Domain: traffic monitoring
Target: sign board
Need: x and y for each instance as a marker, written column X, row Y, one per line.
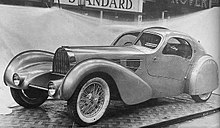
column 193, row 3
column 122, row 5
column 68, row 2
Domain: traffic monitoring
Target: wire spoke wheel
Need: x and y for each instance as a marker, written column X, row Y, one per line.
column 90, row 101
column 93, row 100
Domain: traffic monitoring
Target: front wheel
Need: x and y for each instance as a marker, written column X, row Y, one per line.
column 29, row 98
column 202, row 97
column 89, row 101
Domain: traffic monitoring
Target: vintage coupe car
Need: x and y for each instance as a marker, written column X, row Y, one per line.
column 138, row 66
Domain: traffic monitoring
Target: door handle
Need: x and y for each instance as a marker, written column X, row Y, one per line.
column 155, row 58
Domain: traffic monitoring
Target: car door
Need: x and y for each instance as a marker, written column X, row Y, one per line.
column 172, row 60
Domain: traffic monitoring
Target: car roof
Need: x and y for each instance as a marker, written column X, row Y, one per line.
column 160, row 30
column 165, row 31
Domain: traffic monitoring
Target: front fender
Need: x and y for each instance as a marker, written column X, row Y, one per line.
column 28, row 64
column 132, row 88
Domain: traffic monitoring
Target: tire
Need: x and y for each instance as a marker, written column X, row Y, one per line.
column 201, row 98
column 89, row 101
column 29, row 98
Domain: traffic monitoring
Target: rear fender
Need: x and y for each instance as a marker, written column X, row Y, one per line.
column 28, row 65
column 132, row 88
column 203, row 76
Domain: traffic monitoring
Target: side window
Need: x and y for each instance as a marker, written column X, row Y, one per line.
column 179, row 47
column 127, row 39
column 149, row 40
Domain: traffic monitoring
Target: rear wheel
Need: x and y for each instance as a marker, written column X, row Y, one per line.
column 29, row 98
column 202, row 97
column 90, row 101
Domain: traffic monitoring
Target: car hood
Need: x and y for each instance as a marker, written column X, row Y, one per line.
column 105, row 52
column 67, row 57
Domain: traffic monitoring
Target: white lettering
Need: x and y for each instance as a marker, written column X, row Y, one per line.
column 195, row 3
column 174, row 2
column 204, row 3
column 190, row 2
column 183, row 1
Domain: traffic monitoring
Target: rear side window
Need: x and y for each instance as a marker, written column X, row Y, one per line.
column 179, row 47
column 149, row 40
column 127, row 38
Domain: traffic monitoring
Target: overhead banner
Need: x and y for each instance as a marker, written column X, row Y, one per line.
column 193, row 3
column 122, row 5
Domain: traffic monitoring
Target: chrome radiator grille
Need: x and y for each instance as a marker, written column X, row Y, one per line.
column 61, row 62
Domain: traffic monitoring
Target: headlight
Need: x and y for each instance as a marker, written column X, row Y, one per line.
column 16, row 79
column 51, row 89
column 53, row 86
